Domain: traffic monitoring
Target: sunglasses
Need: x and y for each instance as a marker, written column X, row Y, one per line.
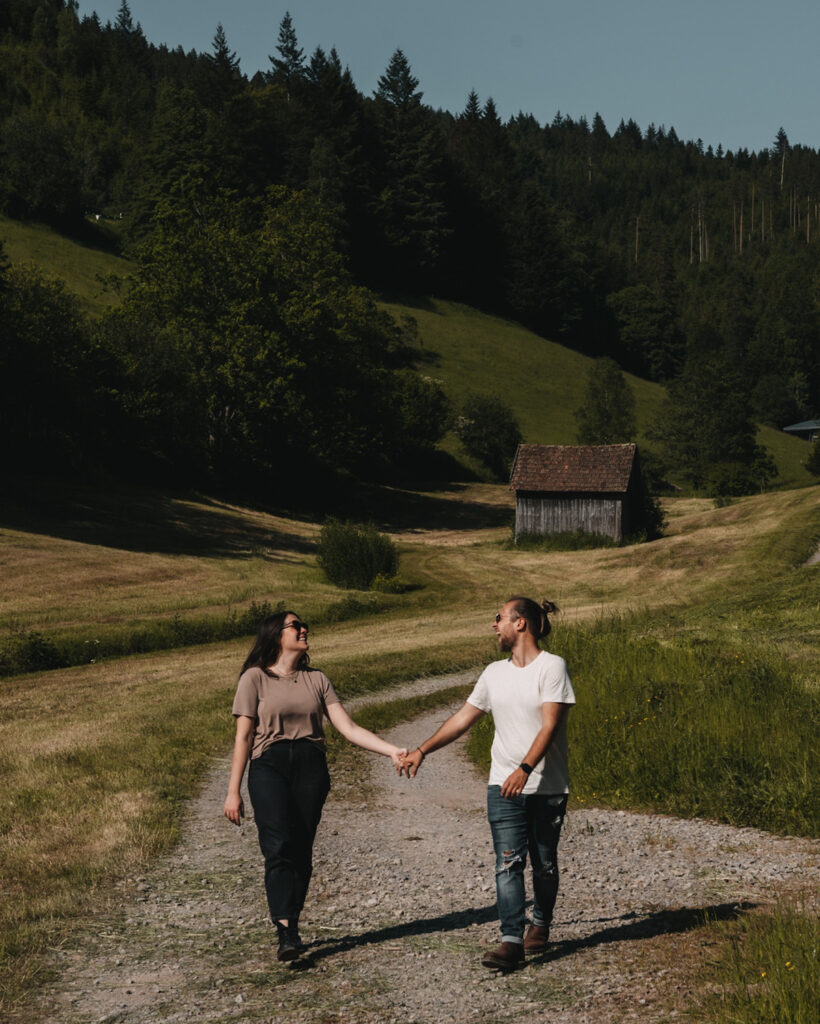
column 297, row 625
column 513, row 618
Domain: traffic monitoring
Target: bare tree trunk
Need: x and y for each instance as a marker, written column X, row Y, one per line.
column 691, row 237
column 637, row 233
column 752, row 229
column 700, row 234
column 734, row 226
column 762, row 220
column 808, row 221
column 741, row 227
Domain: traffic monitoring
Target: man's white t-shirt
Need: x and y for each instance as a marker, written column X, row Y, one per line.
column 514, row 697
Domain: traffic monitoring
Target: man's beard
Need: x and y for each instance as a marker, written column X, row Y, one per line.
column 504, row 644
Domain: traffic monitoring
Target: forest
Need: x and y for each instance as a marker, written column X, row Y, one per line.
column 267, row 213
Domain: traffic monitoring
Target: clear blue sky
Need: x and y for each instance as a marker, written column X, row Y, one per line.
column 724, row 71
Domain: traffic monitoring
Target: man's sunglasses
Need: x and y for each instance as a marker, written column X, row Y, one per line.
column 513, row 618
column 297, row 625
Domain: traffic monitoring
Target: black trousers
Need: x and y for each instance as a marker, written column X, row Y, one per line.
column 288, row 785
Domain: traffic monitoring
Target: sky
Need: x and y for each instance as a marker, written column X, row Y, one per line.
column 727, row 72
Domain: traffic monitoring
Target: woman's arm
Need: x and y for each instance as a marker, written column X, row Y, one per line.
column 234, row 808
column 342, row 721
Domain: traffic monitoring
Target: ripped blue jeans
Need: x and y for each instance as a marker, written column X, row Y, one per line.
column 521, row 825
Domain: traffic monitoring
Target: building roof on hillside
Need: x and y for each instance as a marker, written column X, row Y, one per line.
column 598, row 469
column 797, row 428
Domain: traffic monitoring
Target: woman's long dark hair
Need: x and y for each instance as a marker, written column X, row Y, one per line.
column 268, row 644
column 537, row 615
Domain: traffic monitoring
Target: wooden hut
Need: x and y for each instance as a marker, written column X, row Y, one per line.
column 576, row 488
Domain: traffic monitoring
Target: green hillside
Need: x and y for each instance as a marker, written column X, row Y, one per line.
column 467, row 350
column 543, row 382
column 83, row 267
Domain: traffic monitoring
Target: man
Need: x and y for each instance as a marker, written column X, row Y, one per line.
column 529, row 695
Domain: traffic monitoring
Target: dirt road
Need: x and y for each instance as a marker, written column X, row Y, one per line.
column 401, row 905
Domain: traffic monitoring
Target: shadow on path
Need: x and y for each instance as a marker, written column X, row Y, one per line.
column 637, row 926
column 661, row 922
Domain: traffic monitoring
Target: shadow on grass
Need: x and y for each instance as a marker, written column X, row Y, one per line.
column 627, row 928
column 140, row 519
column 144, row 519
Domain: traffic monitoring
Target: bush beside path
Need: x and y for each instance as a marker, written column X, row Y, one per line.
column 402, row 904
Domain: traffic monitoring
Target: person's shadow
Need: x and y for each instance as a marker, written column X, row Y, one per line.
column 623, row 929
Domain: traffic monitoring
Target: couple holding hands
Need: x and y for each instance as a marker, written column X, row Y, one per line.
column 280, row 706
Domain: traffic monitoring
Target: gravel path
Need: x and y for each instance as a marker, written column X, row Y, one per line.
column 401, row 905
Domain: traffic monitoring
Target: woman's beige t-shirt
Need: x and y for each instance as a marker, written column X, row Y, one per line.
column 284, row 707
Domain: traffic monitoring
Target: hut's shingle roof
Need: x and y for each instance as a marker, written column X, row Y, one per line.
column 557, row 467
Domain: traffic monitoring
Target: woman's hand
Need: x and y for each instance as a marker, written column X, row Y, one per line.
column 397, row 756
column 234, row 809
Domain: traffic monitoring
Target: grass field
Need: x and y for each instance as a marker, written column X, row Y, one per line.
column 83, row 801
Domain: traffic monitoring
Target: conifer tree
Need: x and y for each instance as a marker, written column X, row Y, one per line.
column 124, row 22
column 289, row 66
column 397, row 86
column 472, row 111
column 607, row 415
column 409, row 205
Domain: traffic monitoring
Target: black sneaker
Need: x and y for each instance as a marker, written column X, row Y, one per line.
column 290, row 945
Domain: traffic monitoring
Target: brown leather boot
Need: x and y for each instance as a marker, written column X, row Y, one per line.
column 535, row 939
column 505, row 957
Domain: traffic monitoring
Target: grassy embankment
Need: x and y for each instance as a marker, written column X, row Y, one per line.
column 96, row 792
column 467, row 350
column 542, row 381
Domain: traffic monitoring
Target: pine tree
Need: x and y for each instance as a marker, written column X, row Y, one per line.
column 124, row 22
column 472, row 112
column 289, row 66
column 409, row 206
column 397, row 86
column 607, row 415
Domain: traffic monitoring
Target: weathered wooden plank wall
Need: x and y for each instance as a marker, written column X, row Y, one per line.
column 535, row 513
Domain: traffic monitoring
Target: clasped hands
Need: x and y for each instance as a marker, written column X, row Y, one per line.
column 408, row 763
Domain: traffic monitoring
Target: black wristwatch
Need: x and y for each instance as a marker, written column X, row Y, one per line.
column 526, row 768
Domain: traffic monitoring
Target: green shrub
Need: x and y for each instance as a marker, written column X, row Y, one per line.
column 353, row 556
column 489, row 432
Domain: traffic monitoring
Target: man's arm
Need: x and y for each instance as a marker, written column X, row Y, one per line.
column 551, row 715
column 455, row 726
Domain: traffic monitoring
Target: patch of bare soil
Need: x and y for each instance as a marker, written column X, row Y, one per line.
column 401, row 906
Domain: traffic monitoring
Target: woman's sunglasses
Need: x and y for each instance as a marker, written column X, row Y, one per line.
column 297, row 625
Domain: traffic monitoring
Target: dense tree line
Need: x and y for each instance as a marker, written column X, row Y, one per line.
column 632, row 244
column 243, row 345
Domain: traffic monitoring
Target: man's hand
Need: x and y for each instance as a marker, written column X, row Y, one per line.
column 412, row 762
column 514, row 784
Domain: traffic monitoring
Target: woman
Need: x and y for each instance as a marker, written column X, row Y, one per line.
column 279, row 707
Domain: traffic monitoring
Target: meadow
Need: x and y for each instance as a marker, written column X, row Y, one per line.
column 99, row 790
